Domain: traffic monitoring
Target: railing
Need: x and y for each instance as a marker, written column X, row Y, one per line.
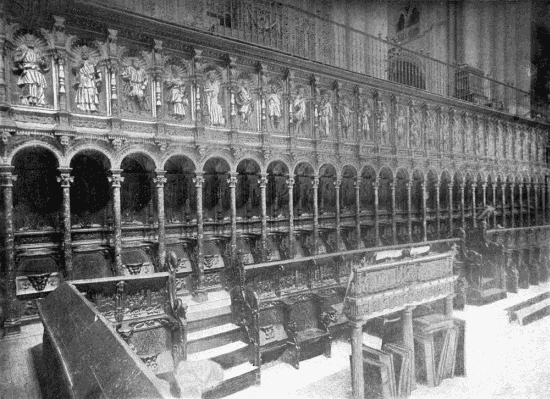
column 303, row 34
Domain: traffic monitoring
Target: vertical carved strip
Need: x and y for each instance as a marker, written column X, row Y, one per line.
column 521, row 205
column 536, row 187
column 12, row 323
column 160, row 181
column 376, row 217
column 199, row 289
column 437, row 208
column 528, row 213
column 409, row 210
column 451, row 208
column 408, row 340
column 462, row 206
column 424, row 213
column 512, row 205
column 503, row 195
column 66, row 179
column 263, row 200
column 116, row 181
column 232, row 185
column 357, row 184
column 357, row 378
column 290, row 185
column 393, row 213
column 474, row 221
column 315, row 213
column 337, row 185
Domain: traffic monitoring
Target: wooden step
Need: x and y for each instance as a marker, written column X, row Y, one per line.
column 227, row 356
column 528, row 302
column 235, row 379
column 531, row 313
column 212, row 337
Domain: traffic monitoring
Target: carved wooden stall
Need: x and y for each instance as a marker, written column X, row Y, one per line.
column 208, row 134
column 399, row 286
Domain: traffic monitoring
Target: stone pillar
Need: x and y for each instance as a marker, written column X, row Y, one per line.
column 290, row 185
column 160, row 181
column 547, row 201
column 437, row 210
column 536, row 188
column 408, row 340
column 200, row 292
column 484, row 194
column 424, row 215
column 528, row 188
column 263, row 200
column 494, row 188
column 512, row 206
column 116, row 181
column 12, row 322
column 503, row 195
column 393, row 213
column 449, row 306
column 474, row 221
column 315, row 214
column 66, row 179
column 409, row 210
column 232, row 181
column 521, row 224
column 357, row 184
column 337, row 184
column 451, row 208
column 357, row 378
column 462, row 206
column 376, row 219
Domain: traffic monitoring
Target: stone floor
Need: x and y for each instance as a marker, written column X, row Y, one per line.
column 504, row 361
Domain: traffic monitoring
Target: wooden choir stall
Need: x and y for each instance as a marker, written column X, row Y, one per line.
column 429, row 345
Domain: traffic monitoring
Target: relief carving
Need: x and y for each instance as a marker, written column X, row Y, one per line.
column 365, row 119
column 88, row 77
column 325, row 114
column 31, row 66
column 299, row 110
column 274, row 102
column 382, row 118
column 211, row 89
column 136, row 84
column 401, row 125
column 175, row 81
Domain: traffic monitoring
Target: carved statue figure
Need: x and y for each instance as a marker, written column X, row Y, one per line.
column 88, row 78
column 31, row 66
column 274, row 105
column 431, row 129
column 383, row 122
column 457, row 135
column 244, row 102
column 468, row 135
column 402, row 124
column 136, row 84
column 325, row 115
column 416, row 127
column 365, row 120
column 174, row 76
column 211, row 91
column 299, row 110
column 345, row 116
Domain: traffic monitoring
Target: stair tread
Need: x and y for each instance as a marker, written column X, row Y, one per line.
column 532, row 308
column 492, row 291
column 238, row 370
column 218, row 351
column 208, row 310
column 208, row 332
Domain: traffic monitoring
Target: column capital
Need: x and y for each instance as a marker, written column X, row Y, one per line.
column 232, row 180
column 357, row 183
column 315, row 182
column 116, row 179
column 65, row 179
column 290, row 182
column 337, row 183
column 263, row 180
column 198, row 179
column 408, row 310
column 160, row 181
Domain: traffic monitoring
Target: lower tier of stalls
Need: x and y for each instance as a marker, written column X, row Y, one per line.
column 98, row 219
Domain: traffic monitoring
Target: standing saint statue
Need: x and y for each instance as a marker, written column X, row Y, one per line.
column 244, row 102
column 31, row 65
column 325, row 115
column 178, row 99
column 211, row 91
column 88, row 78
column 345, row 117
column 365, row 121
column 136, row 84
column 383, row 122
column 274, row 105
column 299, row 110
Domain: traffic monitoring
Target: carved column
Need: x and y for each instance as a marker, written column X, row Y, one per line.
column 536, row 187
column 232, row 184
column 424, row 215
column 494, row 188
column 547, row 200
column 528, row 205
column 376, row 220
column 290, row 185
column 315, row 213
column 437, row 209
column 200, row 292
column 393, row 213
column 409, row 210
column 116, row 180
column 451, row 208
column 503, row 195
column 462, row 205
column 357, row 184
column 474, row 221
column 66, row 179
column 543, row 204
column 12, row 323
column 521, row 205
column 263, row 200
column 337, row 184
column 512, row 206
column 160, row 181
column 408, row 339
column 357, row 378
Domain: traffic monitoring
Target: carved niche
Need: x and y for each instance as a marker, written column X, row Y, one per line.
column 88, row 86
column 365, row 118
column 177, row 94
column 402, row 125
column 272, row 106
column 244, row 101
column 136, row 83
column 213, row 113
column 299, row 109
column 325, row 114
column 416, row 125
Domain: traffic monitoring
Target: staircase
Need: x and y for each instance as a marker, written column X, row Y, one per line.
column 212, row 335
column 531, row 310
column 488, row 292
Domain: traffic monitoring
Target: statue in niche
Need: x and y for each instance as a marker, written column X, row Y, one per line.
column 31, row 65
column 299, row 110
column 445, row 131
column 416, row 126
column 136, row 84
column 519, row 144
column 325, row 114
column 468, row 135
column 88, row 84
column 243, row 99
column 383, row 122
column 402, row 124
column 457, row 142
column 431, row 129
column 274, row 105
column 345, row 116
column 174, row 79
column 499, row 139
column 365, row 120
column 211, row 91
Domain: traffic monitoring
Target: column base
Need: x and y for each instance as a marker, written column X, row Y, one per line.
column 200, row 295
